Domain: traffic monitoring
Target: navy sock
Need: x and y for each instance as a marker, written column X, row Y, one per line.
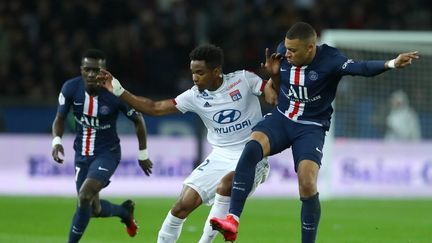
column 310, row 216
column 109, row 209
column 244, row 176
column 79, row 223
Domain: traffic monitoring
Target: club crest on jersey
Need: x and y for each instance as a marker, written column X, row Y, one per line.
column 313, row 76
column 104, row 110
column 235, row 95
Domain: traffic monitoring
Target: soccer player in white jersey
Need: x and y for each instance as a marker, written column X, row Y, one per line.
column 229, row 107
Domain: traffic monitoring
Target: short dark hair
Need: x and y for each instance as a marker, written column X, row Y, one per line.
column 94, row 53
column 211, row 54
column 301, row 30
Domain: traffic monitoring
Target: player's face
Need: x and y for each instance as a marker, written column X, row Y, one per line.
column 203, row 77
column 299, row 52
column 90, row 68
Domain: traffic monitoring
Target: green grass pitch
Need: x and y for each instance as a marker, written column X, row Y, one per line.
column 47, row 220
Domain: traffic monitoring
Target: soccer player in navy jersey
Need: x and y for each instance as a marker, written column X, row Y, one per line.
column 306, row 76
column 97, row 146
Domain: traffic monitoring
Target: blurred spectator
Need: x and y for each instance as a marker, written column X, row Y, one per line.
column 147, row 42
column 40, row 41
column 402, row 121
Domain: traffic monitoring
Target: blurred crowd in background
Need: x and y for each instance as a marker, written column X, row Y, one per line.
column 147, row 42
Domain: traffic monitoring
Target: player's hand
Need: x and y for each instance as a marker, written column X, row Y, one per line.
column 57, row 150
column 146, row 166
column 272, row 63
column 107, row 80
column 104, row 78
column 405, row 59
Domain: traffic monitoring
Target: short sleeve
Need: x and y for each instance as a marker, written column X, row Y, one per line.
column 129, row 112
column 65, row 99
column 255, row 82
column 184, row 101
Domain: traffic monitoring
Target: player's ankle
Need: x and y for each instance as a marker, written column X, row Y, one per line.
column 235, row 217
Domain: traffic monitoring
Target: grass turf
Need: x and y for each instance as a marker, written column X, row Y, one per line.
column 47, row 220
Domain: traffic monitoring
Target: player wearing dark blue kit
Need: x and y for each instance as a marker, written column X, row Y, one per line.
column 306, row 76
column 96, row 145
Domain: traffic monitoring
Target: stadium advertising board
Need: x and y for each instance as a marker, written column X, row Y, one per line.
column 358, row 168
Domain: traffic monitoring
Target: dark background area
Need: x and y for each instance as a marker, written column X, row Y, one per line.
column 147, row 42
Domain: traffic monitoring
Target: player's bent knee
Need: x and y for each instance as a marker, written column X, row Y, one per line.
column 263, row 140
column 85, row 198
column 181, row 210
column 186, row 203
column 307, row 186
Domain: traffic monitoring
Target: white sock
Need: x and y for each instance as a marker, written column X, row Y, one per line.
column 171, row 229
column 219, row 209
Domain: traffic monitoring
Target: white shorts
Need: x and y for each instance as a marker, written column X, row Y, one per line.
column 206, row 177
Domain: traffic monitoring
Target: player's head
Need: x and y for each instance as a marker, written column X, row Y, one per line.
column 91, row 62
column 206, row 66
column 300, row 42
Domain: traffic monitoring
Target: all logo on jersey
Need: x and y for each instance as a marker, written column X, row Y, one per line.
column 301, row 94
column 227, row 116
column 207, row 104
column 235, row 95
column 89, row 121
column 313, row 76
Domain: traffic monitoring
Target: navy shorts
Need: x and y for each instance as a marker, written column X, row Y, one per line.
column 306, row 140
column 99, row 167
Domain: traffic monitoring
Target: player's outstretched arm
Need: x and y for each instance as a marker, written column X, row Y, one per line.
column 402, row 60
column 139, row 103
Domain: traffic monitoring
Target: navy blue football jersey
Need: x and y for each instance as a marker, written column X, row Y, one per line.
column 307, row 92
column 95, row 116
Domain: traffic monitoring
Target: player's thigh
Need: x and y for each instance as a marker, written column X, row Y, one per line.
column 206, row 177
column 308, row 145
column 104, row 166
column 274, row 127
column 82, row 164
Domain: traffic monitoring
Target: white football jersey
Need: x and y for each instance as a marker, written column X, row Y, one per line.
column 230, row 112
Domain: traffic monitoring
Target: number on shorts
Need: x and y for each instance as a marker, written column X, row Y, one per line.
column 201, row 167
column 77, row 170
